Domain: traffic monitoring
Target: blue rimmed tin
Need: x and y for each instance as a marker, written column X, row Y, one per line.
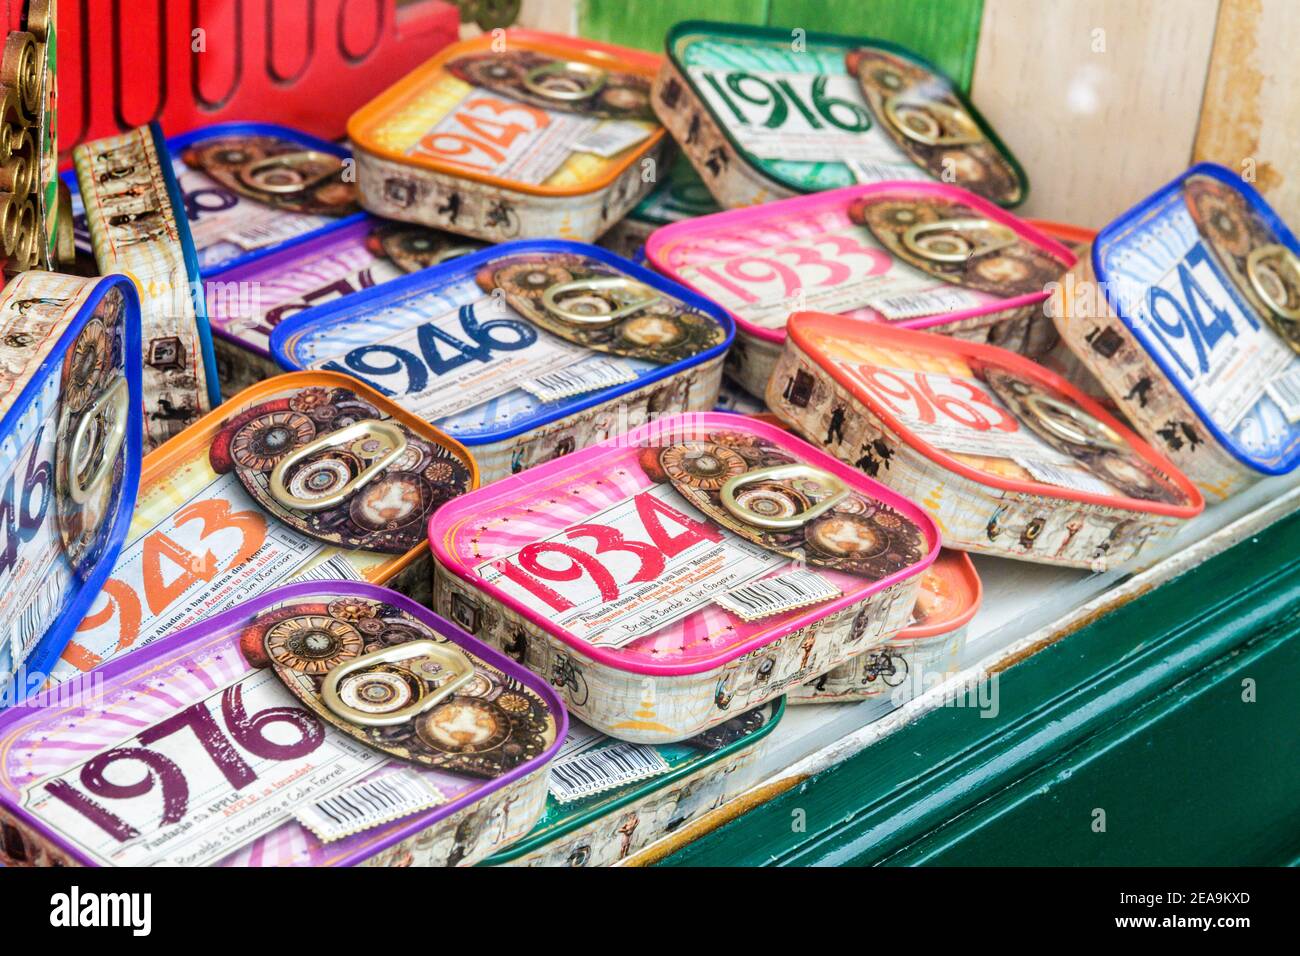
column 136, row 221
column 525, row 351
column 1187, row 311
column 250, row 189
column 70, row 434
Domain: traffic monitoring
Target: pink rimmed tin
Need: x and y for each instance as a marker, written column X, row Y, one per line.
column 922, row 653
column 250, row 767
column 686, row 572
column 912, row 254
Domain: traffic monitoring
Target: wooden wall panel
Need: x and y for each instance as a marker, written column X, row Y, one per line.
column 643, row 23
column 1096, row 129
column 1250, row 120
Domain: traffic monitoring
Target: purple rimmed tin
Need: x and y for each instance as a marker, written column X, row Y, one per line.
column 270, row 734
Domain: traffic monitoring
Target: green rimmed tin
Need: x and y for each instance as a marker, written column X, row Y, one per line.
column 613, row 825
column 765, row 113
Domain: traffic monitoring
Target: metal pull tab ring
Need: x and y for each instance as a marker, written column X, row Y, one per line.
column 943, row 242
column 1079, row 428
column 583, row 291
column 595, row 77
column 917, row 122
column 793, row 472
column 386, row 432
column 369, row 703
column 260, row 173
column 1264, row 268
column 116, row 402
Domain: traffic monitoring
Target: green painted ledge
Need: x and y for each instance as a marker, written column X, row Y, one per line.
column 1139, row 714
column 946, row 32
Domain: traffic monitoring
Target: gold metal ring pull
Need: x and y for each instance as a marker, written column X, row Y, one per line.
column 569, row 89
column 595, row 301
column 376, row 699
column 1265, row 267
column 388, row 440
column 944, row 242
column 455, row 252
column 114, row 403
column 793, row 472
column 918, row 122
column 290, row 172
column 1071, row 424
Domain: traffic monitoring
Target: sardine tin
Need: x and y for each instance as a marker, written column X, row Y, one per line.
column 608, row 827
column 681, row 196
column 1056, row 480
column 246, row 302
column 200, row 542
column 820, row 253
column 764, row 115
column 49, row 819
column 644, row 652
column 138, row 227
column 922, row 652
column 69, row 398
column 375, row 335
column 423, row 154
column 1187, row 311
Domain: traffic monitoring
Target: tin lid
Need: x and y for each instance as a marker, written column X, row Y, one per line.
column 912, row 254
column 248, row 677
column 511, row 338
column 949, row 596
column 839, row 110
column 547, row 115
column 994, row 417
column 1074, row 238
column 246, row 302
column 689, row 542
column 683, row 759
column 70, row 436
column 1207, row 277
column 251, row 188
column 682, row 195
column 307, row 475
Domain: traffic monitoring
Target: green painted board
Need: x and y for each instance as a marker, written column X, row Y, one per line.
column 1139, row 714
column 945, row 32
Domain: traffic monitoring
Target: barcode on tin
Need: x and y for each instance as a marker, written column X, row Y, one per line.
column 914, row 305
column 1072, row 478
column 586, row 377
column 369, row 803
column 865, row 171
column 611, row 137
column 1285, row 390
column 777, row 595
column 591, row 771
column 336, row 568
column 34, row 619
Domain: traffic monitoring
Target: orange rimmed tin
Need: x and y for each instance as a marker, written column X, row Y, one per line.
column 919, row 655
column 513, row 136
column 1007, row 456
column 305, row 476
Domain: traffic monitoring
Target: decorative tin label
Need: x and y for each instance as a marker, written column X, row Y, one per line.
column 246, row 190
column 135, row 231
column 589, row 763
column 1182, row 276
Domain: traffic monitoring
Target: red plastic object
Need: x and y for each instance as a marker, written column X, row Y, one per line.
column 303, row 63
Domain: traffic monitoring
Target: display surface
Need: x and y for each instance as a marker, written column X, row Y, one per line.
column 232, row 713
column 700, row 565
